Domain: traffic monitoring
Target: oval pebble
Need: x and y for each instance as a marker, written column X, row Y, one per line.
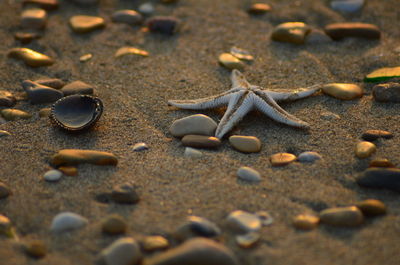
column 198, row 124
column 151, row 243
column 389, row 92
column 308, row 157
column 15, row 114
column 4, row 190
column 380, row 178
column 26, row 37
column 248, row 240
column 4, row 133
column 381, row 162
column 67, row 221
column 163, row 24
column 192, row 152
column 230, row 62
column 201, row 141
column 30, row 57
column 365, row 149
column 342, row 216
column 292, row 32
column 84, row 24
column 68, row 170
column 86, row 57
column 33, row 18
column 248, row 174
column 282, row 159
column 77, row 87
column 78, row 156
column 343, row 91
column 125, row 194
column 245, row 144
column 124, row 251
column 372, row 207
column 372, row 135
column 244, row 222
column 383, row 74
column 305, row 221
column 140, row 147
column 348, row 6
column 316, row 36
column 114, row 225
column 338, row 31
column 7, row 99
column 52, row 175
column 259, row 8
column 146, row 9
column 127, row 16
column 128, row 50
column 36, row 249
column 40, row 94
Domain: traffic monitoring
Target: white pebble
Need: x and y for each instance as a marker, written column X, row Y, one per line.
column 67, row 221
column 309, row 157
column 123, row 251
column 248, row 174
column 197, row 124
column 191, row 152
column 146, row 9
column 244, row 222
column 52, row 175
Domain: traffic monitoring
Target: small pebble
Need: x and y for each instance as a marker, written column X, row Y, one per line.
column 85, row 57
column 338, row 31
column 140, row 147
column 308, row 157
column 40, row 94
column 198, row 124
column 78, row 156
column 5, row 225
column 365, row 149
column 45, row 112
column 124, row 251
column 282, row 159
column 372, row 207
column 4, row 190
column 67, row 221
column 52, row 175
column 348, row 6
column 151, row 243
column 306, row 221
column 4, row 133
column 114, row 225
column 201, row 141
column 383, row 74
column 381, row 162
column 127, row 16
column 77, row 87
column 84, row 24
column 191, row 152
column 389, row 92
column 125, row 194
column 245, row 144
column 380, row 178
column 259, row 8
column 342, row 216
column 15, row 114
column 68, row 170
column 146, row 9
column 343, row 91
column 292, row 32
column 241, row 54
column 248, row 174
column 163, row 24
column 7, row 99
column 26, row 37
column 327, row 115
column 30, row 57
column 51, row 82
column 230, row 62
column 372, row 135
column 197, row 226
column 34, row 18
column 130, row 51
column 317, row 36
column 244, row 222
column 36, row 249
column 247, row 240
column 265, row 218
column 45, row 4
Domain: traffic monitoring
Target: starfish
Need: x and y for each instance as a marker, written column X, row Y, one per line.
column 244, row 97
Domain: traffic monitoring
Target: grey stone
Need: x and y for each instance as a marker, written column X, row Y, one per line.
column 244, row 222
column 389, row 92
column 127, row 16
column 40, row 94
column 51, row 82
column 192, row 152
column 124, row 251
column 380, row 178
column 248, row 174
column 308, row 156
column 124, row 194
column 67, row 221
column 53, row 175
column 146, row 9
column 348, row 6
column 198, row 124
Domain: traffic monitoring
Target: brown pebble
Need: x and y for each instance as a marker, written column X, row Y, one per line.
column 230, row 62
column 84, row 24
column 292, row 32
column 306, row 221
column 69, row 171
column 201, row 141
column 26, row 37
column 339, row 31
column 372, row 207
column 114, row 225
column 4, row 190
column 34, row 18
column 343, row 91
column 342, row 216
column 259, row 9
column 44, row 113
column 389, row 92
column 371, row 135
column 78, row 156
column 51, row 82
column 151, row 243
column 380, row 162
column 365, row 149
column 15, row 114
column 282, row 159
column 36, row 249
column 245, row 144
column 30, row 57
column 5, row 225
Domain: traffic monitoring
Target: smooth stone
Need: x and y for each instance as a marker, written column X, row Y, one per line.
column 230, row 62
column 127, row 16
column 53, row 175
column 67, row 221
column 201, row 141
column 26, row 37
column 244, row 222
column 389, row 92
column 241, row 54
column 85, row 57
column 342, row 216
column 114, row 225
column 5, row 225
column 198, row 124
column 51, row 82
column 140, row 147
column 125, row 194
column 151, row 243
column 163, row 24
column 197, row 226
column 248, row 240
column 84, row 24
column 282, row 159
column 381, row 162
column 4, row 133
column 372, row 207
column 146, row 9
column 348, row 6
column 15, row 114
column 245, row 144
column 383, row 74
column 308, row 157
column 34, row 18
column 4, row 190
column 380, row 178
column 259, row 8
column 69, row 171
column 128, row 50
column 30, row 57
column 365, row 149
column 36, row 249
column 292, row 32
column 45, row 112
column 77, row 87
column 372, row 135
column 265, row 218
column 197, row 251
column 124, row 251
column 45, row 4
column 7, row 99
column 316, row 36
column 305, row 221
column 248, row 174
column 79, row 156
column 192, row 152
column 343, row 91
column 338, row 31
column 40, row 94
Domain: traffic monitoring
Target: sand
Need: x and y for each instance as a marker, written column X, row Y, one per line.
column 135, row 91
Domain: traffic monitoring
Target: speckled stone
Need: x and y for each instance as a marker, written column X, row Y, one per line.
column 36, row 249
column 342, row 216
column 282, row 159
column 45, row 4
column 372, row 207
column 40, row 94
column 305, row 221
column 347, row 6
column 244, row 222
column 309, row 157
column 125, row 194
column 292, row 32
column 365, row 149
column 383, row 74
column 230, row 62
column 127, row 16
column 4, row 190
column 248, row 174
column 197, row 226
column 381, row 162
column 114, row 225
column 67, row 221
column 152, row 243
column 259, row 8
column 389, row 92
column 380, row 178
column 33, row 18
column 338, row 31
column 343, row 91
column 192, row 152
column 248, row 240
column 7, row 99
column 84, row 24
column 53, row 175
column 77, row 87
column 163, row 24
column 201, row 141
column 124, row 251
column 51, row 82
column 372, row 135
column 198, row 124
column 79, row 156
column 245, row 144
column 68, row 170
column 15, row 114
column 30, row 57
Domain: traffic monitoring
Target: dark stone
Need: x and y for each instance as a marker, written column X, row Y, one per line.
column 4, row 191
column 125, row 194
column 26, row 37
column 380, row 178
column 372, row 135
column 164, row 25
column 338, row 31
column 201, row 141
column 51, row 82
column 197, row 226
column 389, row 92
column 45, row 4
column 39, row 94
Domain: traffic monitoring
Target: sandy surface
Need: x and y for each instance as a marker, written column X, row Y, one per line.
column 135, row 92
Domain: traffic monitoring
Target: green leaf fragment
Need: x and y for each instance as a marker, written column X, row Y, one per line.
column 383, row 74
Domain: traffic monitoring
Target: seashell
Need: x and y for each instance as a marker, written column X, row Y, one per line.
column 76, row 112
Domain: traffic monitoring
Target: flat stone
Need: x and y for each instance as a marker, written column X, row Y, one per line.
column 230, row 62
column 140, row 147
column 125, row 194
column 201, row 141
column 198, row 124
column 372, row 135
column 4, row 190
column 114, row 225
column 151, row 243
column 380, row 178
column 372, row 207
column 68, row 170
column 245, row 144
column 77, row 87
column 127, row 16
column 244, row 222
column 197, row 226
column 124, row 251
column 26, row 37
column 383, row 74
column 380, row 162
column 282, row 159
column 5, row 225
column 192, row 152
column 248, row 240
column 86, row 57
column 309, row 157
column 163, row 24
column 40, row 94
column 79, row 156
column 343, row 91
column 36, row 249
column 146, row 9
column 30, row 57
column 306, row 221
column 316, row 36
column 259, row 8
column 45, row 112
column 15, row 114
column 67, row 221
column 128, row 50
column 248, row 174
column 338, row 31
column 84, row 24
column 342, row 216
column 51, row 82
column 389, row 92
column 347, row 6
column 53, row 175
column 4, row 133
column 45, row 4
column 195, row 252
column 7, row 99
column 365, row 149
column 292, row 32
column 34, row 18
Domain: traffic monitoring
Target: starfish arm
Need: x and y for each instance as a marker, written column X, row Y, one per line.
column 269, row 107
column 291, row 96
column 202, row 103
column 238, row 80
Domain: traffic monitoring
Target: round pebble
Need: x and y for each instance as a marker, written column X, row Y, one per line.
column 30, row 57
column 383, row 74
column 308, row 157
column 198, row 124
column 230, row 62
column 146, row 9
column 127, row 16
column 34, row 18
column 365, row 149
column 192, row 152
column 78, row 156
column 15, row 114
column 125, row 194
column 343, row 91
column 40, row 94
column 77, row 87
column 114, row 225
column 84, row 24
column 201, row 141
column 140, row 147
column 151, row 243
column 245, row 144
column 342, row 216
column 306, row 222
column 372, row 207
column 381, row 162
column 130, row 51
column 52, row 175
column 7, row 99
column 247, row 240
column 338, row 31
column 68, row 170
column 389, row 92
column 244, row 222
column 292, row 32
column 67, row 221
column 124, row 251
column 372, row 135
column 347, row 6
column 36, row 249
column 282, row 159
column 4, row 190
column 380, row 178
column 248, row 174
column 4, row 133
column 259, row 8
column 163, row 24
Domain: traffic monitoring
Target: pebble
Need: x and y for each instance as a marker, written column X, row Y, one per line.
column 53, row 175
column 34, row 18
column 342, row 216
column 124, row 251
column 45, row 112
column 317, row 36
column 195, row 251
column 198, row 124
column 114, row 225
column 26, row 37
column 230, row 62
column 77, row 87
column 265, row 218
column 51, row 82
column 140, row 147
column 15, row 114
column 244, row 222
column 36, row 249
column 67, row 221
column 308, row 157
column 338, row 31
column 127, row 16
column 163, row 24
column 30, row 57
column 68, row 170
column 5, row 225
column 292, row 32
column 389, row 92
column 247, row 240
column 327, row 115
column 380, row 178
column 45, row 4
column 146, row 9
column 4, row 133
column 86, row 2
column 7, row 99
column 197, row 226
column 365, row 149
column 348, row 6
column 85, row 57
column 305, row 221
column 201, row 141
column 79, row 156
column 381, row 162
column 125, row 194
column 259, row 9
column 282, row 159
column 4, row 191
column 241, row 54
column 383, row 74
column 40, row 94
column 84, row 24
column 245, row 144
column 372, row 135
column 151, row 243
column 372, row 207
column 191, row 152
column 248, row 174
column 128, row 50
column 343, row 91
